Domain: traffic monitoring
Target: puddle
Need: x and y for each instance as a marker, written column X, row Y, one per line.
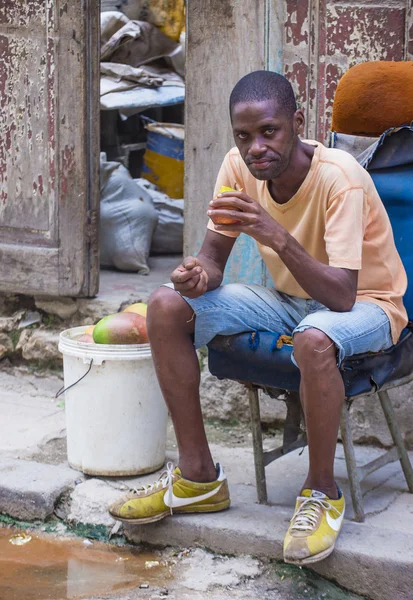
column 44, row 567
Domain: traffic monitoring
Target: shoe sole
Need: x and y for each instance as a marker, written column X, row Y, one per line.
column 204, row 508
column 310, row 559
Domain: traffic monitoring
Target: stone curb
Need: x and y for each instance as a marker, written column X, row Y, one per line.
column 30, row 490
column 367, row 561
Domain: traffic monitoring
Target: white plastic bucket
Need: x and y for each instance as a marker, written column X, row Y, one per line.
column 116, row 417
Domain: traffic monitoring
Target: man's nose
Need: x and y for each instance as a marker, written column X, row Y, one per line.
column 257, row 147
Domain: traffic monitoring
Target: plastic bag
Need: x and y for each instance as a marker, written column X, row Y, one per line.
column 127, row 220
column 168, row 237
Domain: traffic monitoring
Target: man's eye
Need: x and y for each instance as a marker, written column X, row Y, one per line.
column 242, row 136
column 269, row 131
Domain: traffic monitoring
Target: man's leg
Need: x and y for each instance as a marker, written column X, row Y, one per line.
column 322, row 397
column 321, row 341
column 171, row 325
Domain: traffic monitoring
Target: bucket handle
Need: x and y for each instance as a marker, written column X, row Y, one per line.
column 63, row 389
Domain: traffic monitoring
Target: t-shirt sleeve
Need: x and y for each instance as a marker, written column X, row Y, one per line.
column 229, row 176
column 346, row 220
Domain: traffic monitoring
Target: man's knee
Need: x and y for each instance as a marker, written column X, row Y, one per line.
column 166, row 306
column 313, row 347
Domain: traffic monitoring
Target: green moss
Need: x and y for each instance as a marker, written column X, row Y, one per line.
column 53, row 525
column 11, row 522
column 15, row 336
column 202, row 356
column 93, row 532
column 50, row 321
column 307, row 584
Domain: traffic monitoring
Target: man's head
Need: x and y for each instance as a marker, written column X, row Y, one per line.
column 265, row 122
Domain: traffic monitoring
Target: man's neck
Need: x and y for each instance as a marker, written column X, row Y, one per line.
column 289, row 182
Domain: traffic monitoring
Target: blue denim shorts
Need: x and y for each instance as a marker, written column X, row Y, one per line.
column 236, row 308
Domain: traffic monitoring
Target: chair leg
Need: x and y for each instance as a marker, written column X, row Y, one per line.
column 397, row 438
column 292, row 425
column 355, row 489
column 257, row 444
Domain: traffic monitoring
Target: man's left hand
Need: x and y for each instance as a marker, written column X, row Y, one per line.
column 251, row 218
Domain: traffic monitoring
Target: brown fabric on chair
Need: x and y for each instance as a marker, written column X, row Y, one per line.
column 372, row 97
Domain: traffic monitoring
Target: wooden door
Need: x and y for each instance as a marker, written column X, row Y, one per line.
column 49, row 152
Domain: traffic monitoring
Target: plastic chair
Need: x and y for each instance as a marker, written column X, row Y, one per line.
column 255, row 360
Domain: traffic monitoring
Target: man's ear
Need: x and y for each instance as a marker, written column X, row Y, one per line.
column 299, row 121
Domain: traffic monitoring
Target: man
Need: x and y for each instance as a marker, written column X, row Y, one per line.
column 327, row 242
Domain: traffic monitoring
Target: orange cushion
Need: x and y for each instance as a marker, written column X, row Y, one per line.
column 373, row 96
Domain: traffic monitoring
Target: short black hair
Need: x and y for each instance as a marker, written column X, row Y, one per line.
column 264, row 85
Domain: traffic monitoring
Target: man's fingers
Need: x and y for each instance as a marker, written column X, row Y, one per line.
column 219, row 215
column 242, row 196
column 187, row 285
column 184, row 275
column 234, row 203
column 236, row 194
column 190, row 262
column 198, row 290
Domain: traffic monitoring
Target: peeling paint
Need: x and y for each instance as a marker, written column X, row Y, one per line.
column 26, row 29
column 324, row 39
column 296, row 25
column 297, row 73
column 67, row 170
column 22, row 13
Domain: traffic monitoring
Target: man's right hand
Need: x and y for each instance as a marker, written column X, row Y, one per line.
column 190, row 278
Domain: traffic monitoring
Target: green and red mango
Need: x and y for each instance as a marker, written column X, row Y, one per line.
column 121, row 328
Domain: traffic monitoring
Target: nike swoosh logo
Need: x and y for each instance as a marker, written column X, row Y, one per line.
column 335, row 524
column 177, row 502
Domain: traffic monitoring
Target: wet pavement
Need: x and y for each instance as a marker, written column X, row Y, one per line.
column 38, row 568
column 41, row 567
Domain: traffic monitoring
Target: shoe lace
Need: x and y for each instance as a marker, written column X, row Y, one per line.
column 165, row 480
column 307, row 514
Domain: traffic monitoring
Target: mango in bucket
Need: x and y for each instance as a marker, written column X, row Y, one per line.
column 139, row 308
column 121, row 328
column 86, row 338
column 225, row 220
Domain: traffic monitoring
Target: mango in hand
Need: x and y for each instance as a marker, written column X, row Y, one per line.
column 121, row 328
column 225, row 220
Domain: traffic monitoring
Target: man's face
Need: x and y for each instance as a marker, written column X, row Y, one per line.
column 265, row 137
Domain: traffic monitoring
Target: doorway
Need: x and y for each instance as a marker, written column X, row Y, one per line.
column 142, row 89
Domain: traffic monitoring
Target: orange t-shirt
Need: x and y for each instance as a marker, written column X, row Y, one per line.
column 338, row 217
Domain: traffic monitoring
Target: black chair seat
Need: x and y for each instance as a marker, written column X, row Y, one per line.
column 254, row 358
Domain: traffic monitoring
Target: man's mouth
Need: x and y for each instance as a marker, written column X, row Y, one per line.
column 260, row 164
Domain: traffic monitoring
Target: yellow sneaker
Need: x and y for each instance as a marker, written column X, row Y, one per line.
column 172, row 494
column 314, row 527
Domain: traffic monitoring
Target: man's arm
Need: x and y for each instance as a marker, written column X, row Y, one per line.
column 334, row 287
column 197, row 275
